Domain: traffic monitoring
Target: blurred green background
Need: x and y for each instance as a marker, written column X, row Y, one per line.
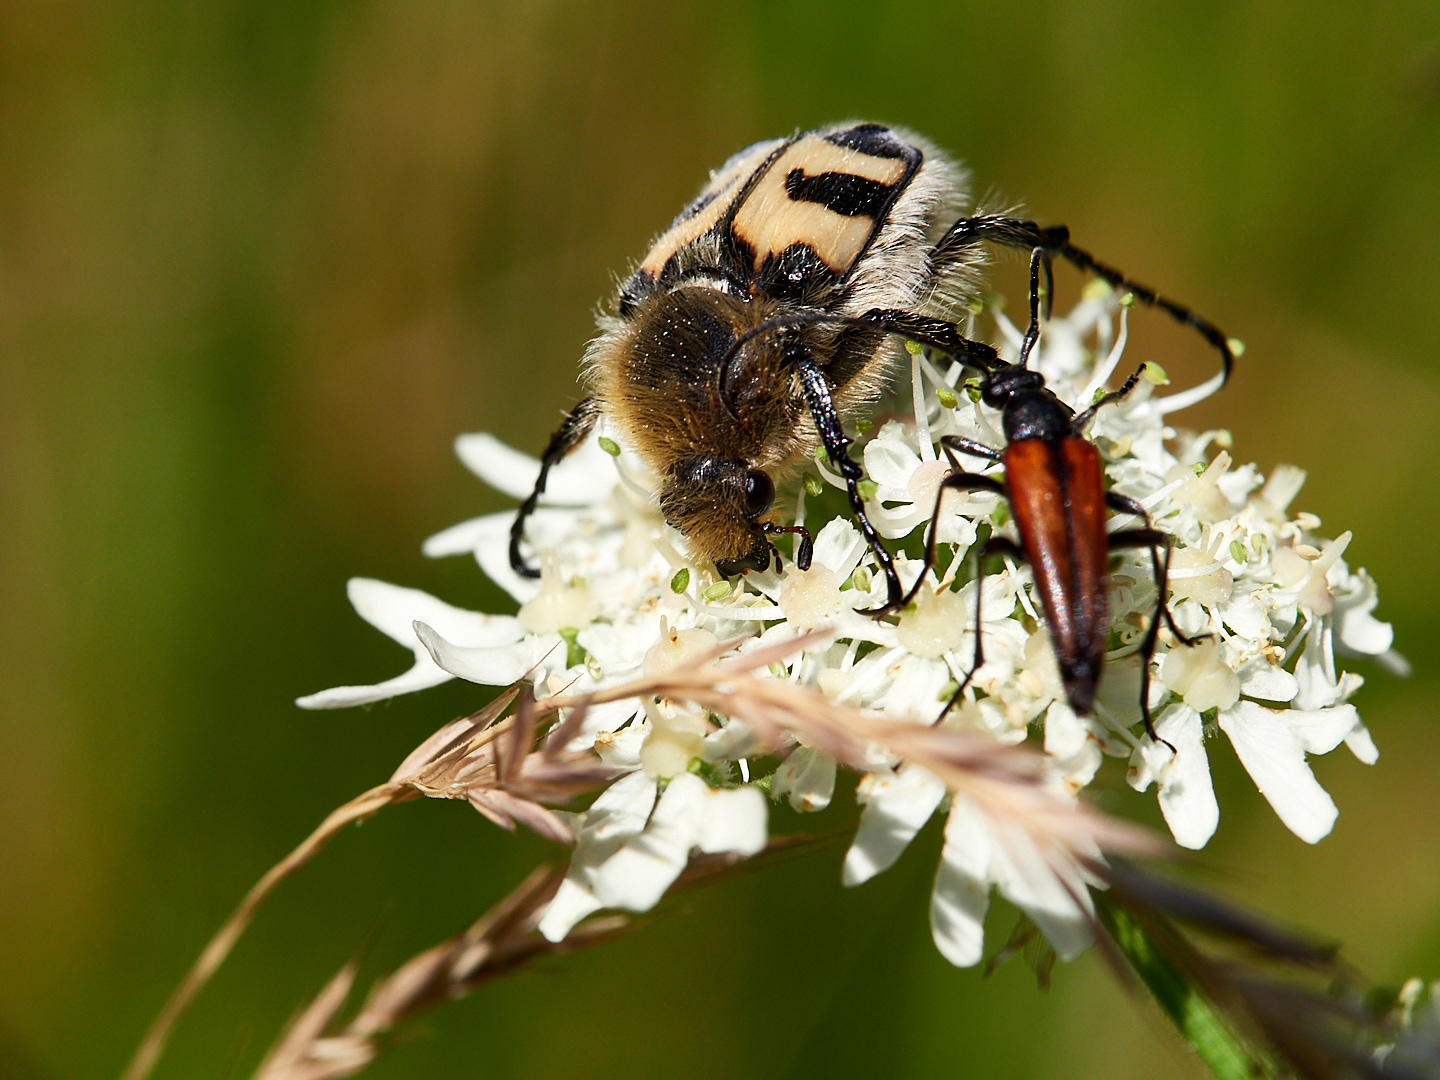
column 260, row 261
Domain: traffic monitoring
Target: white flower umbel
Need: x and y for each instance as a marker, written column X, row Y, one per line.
column 1271, row 603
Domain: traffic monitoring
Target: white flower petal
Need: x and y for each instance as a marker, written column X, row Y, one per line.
column 896, row 806
column 1075, row 744
column 890, row 461
column 954, row 529
column 1050, row 888
column 1264, row 680
column 1187, row 796
column 488, row 540
column 1322, row 730
column 962, row 886
column 807, row 776
column 1395, row 663
column 573, row 901
column 1280, row 490
column 464, row 538
column 422, row 676
column 618, row 814
column 584, row 477
column 393, row 610
column 627, row 854
column 1361, row 745
column 501, row 466
column 1362, row 633
column 1356, row 627
column 1316, row 685
column 1275, row 759
column 499, row 666
column 1245, row 616
column 727, row 819
column 838, row 547
column 637, row 875
column 1237, row 484
column 620, row 647
column 607, row 716
column 621, row 749
column 689, row 815
column 915, row 690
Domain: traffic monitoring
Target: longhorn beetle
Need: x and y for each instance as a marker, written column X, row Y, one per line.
column 1054, row 484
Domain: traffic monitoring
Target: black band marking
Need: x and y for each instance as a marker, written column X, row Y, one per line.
column 841, row 193
column 875, row 140
column 794, row 274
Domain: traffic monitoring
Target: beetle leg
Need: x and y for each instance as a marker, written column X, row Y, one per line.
column 837, row 446
column 1155, row 541
column 996, row 545
column 954, row 249
column 1126, row 505
column 1032, row 332
column 937, row 334
column 572, row 431
column 956, row 481
column 968, row 446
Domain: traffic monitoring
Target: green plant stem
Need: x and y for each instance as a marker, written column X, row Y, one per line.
column 1195, row 1015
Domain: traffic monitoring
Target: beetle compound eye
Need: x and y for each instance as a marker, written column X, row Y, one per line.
column 759, row 492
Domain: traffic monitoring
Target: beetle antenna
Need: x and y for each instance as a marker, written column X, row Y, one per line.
column 804, row 552
column 1054, row 242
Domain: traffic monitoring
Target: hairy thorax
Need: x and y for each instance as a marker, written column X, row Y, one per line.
column 677, row 387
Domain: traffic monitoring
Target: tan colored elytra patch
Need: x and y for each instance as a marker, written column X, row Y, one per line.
column 686, row 230
column 770, row 221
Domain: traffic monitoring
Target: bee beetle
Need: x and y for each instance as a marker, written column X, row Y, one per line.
column 768, row 315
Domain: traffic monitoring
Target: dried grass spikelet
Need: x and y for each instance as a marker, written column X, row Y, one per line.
column 514, row 768
column 1009, row 783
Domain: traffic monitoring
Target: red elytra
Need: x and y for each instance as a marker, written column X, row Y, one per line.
column 1058, row 500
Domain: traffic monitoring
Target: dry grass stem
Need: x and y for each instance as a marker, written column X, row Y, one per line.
column 224, row 940
column 501, row 941
column 401, row 788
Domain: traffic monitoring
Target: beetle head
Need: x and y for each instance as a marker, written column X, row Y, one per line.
column 717, row 504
